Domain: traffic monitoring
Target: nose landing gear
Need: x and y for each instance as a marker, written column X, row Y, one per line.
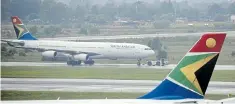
column 138, row 62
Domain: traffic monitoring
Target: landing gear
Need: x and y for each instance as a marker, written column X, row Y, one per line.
column 74, row 63
column 149, row 63
column 71, row 61
column 89, row 62
column 139, row 62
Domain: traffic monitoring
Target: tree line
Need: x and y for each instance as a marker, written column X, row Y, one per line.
column 80, row 11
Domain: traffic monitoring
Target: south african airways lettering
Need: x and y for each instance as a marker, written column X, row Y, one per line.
column 122, row 46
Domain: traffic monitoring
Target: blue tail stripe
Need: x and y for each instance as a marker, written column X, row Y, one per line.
column 27, row 36
column 17, row 31
column 169, row 90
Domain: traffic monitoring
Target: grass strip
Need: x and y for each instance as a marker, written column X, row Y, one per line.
column 99, row 73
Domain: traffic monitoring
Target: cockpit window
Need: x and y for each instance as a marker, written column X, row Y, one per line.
column 147, row 49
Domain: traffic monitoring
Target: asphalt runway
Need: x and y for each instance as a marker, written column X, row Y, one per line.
column 170, row 66
column 98, row 85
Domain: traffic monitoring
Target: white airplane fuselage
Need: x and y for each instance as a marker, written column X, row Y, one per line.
column 95, row 50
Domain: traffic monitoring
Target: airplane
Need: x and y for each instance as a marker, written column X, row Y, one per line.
column 185, row 84
column 77, row 51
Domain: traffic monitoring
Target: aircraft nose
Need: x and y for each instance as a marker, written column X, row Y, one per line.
column 151, row 52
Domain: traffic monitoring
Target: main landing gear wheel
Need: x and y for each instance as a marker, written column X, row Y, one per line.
column 149, row 63
column 89, row 62
column 74, row 63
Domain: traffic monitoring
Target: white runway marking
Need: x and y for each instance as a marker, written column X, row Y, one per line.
column 171, row 66
column 99, row 85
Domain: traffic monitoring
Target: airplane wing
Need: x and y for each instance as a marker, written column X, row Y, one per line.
column 70, row 52
column 64, row 51
column 20, row 44
column 13, row 43
column 228, row 100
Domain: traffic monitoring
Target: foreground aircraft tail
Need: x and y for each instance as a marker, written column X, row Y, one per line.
column 190, row 78
column 22, row 33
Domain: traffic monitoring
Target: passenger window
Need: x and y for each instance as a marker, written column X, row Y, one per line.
column 147, row 49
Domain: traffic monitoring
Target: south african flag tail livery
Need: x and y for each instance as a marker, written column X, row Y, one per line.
column 22, row 33
column 190, row 78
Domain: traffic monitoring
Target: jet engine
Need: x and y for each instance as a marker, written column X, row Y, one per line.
column 50, row 54
column 82, row 57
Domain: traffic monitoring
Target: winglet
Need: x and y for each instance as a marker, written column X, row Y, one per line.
column 190, row 78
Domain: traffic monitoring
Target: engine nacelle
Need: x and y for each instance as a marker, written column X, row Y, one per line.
column 82, row 57
column 50, row 54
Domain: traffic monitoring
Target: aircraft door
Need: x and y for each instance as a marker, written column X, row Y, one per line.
column 137, row 52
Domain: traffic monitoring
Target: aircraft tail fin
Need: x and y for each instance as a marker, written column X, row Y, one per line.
column 190, row 78
column 22, row 33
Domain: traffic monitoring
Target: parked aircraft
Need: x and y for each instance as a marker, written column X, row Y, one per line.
column 77, row 51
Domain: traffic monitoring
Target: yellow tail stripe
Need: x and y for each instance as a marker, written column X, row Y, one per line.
column 189, row 71
column 21, row 30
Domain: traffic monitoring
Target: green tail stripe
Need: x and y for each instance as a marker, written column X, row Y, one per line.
column 178, row 76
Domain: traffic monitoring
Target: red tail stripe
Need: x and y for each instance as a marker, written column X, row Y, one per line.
column 201, row 46
column 16, row 20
